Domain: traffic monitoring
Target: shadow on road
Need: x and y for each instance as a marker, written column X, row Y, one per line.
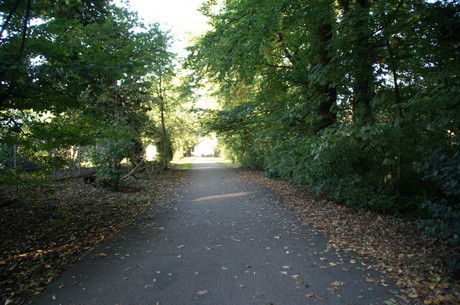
column 217, row 239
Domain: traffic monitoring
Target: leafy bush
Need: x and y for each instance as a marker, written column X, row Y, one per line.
column 443, row 168
column 107, row 158
column 444, row 222
column 336, row 166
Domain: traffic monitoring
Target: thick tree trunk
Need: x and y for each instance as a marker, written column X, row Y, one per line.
column 362, row 58
column 326, row 93
column 363, row 61
column 164, row 140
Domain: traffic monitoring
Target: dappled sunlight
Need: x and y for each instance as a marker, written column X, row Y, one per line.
column 220, row 197
column 206, row 160
column 199, row 160
column 202, row 162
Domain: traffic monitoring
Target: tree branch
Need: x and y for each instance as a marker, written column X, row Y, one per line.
column 285, row 49
column 10, row 15
column 24, row 29
column 136, row 169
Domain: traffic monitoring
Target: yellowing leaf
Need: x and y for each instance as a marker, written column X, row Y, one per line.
column 413, row 295
column 297, row 278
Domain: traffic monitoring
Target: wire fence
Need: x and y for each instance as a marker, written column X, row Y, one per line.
column 69, row 162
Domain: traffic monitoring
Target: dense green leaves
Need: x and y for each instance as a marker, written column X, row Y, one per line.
column 356, row 99
column 77, row 73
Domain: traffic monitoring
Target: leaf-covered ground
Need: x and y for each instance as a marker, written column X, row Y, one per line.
column 391, row 245
column 46, row 228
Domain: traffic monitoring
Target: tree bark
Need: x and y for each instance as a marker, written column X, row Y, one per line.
column 362, row 58
column 163, row 124
column 165, row 137
column 24, row 28
column 327, row 93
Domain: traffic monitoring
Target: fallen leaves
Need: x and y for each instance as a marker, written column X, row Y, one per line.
column 311, row 295
column 298, row 279
column 335, row 286
column 438, row 300
column 202, row 292
column 390, row 245
column 49, row 227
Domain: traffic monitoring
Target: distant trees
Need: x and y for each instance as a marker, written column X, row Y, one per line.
column 356, row 99
column 78, row 73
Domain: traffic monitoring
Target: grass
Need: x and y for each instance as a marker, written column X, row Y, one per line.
column 229, row 164
column 183, row 163
column 180, row 165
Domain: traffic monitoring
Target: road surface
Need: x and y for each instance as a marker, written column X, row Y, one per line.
column 217, row 239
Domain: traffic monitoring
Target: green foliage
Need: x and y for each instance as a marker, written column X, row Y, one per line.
column 107, row 159
column 443, row 169
column 358, row 100
column 444, row 222
column 79, row 75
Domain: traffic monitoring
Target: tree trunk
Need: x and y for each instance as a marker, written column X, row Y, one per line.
column 362, row 58
column 327, row 93
column 24, row 28
column 163, row 125
column 165, row 136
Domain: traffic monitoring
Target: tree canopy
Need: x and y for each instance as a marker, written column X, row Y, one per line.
column 358, row 100
column 355, row 99
column 80, row 73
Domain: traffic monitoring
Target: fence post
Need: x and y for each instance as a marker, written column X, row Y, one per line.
column 15, row 156
column 54, row 167
column 79, row 161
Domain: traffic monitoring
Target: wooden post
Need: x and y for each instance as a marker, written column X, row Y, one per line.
column 79, row 160
column 54, row 167
column 15, row 156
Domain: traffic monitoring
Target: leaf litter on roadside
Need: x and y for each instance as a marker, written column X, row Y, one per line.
column 390, row 245
column 50, row 227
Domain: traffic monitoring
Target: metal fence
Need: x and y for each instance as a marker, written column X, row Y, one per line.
column 74, row 161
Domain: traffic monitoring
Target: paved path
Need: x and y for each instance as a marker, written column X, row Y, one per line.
column 218, row 239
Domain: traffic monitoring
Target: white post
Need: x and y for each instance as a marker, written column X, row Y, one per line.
column 79, row 161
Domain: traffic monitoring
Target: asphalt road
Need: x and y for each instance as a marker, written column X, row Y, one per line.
column 217, row 239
